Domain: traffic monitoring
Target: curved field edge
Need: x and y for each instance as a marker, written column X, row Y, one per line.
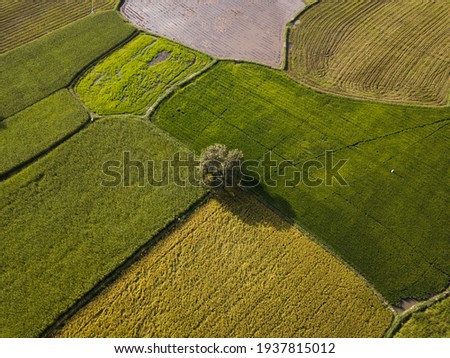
column 131, row 79
column 421, row 310
column 237, row 256
column 37, row 129
column 259, row 110
column 22, row 22
column 82, row 230
column 42, row 67
column 405, row 88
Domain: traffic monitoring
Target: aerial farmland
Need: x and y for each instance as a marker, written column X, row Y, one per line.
column 325, row 123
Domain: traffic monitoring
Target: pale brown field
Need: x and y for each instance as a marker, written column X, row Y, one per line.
column 231, row 29
column 394, row 51
column 234, row 269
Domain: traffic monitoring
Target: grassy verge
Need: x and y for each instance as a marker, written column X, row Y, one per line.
column 131, row 79
column 233, row 270
column 63, row 231
column 36, row 128
column 36, row 70
column 432, row 322
column 378, row 223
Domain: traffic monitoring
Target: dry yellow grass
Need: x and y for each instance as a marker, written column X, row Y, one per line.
column 234, row 269
column 394, row 51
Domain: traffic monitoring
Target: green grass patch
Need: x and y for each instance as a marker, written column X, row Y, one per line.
column 37, row 128
column 391, row 227
column 36, row 70
column 23, row 21
column 63, row 231
column 132, row 78
column 434, row 322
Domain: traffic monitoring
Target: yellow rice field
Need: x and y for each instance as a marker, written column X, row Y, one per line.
column 234, row 269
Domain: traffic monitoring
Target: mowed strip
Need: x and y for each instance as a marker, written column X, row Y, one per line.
column 378, row 223
column 36, row 128
column 23, row 21
column 36, row 70
column 385, row 50
column 131, row 79
column 63, row 230
column 228, row 29
column 234, row 269
column 434, row 322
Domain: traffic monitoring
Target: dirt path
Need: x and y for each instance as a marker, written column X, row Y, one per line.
column 251, row 30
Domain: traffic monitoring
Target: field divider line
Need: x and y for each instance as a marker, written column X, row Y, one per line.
column 383, row 136
column 91, row 113
column 336, row 93
column 287, row 34
column 119, row 4
column 85, row 69
column 73, row 82
column 393, row 234
column 322, row 244
column 402, row 318
column 25, row 164
column 121, row 268
column 177, row 86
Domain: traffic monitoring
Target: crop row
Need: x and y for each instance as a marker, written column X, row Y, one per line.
column 231, row 29
column 234, row 269
column 36, row 70
column 37, row 128
column 131, row 79
column 377, row 223
column 391, row 51
column 65, row 227
column 24, row 21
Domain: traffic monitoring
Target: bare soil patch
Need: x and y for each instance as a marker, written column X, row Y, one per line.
column 233, row 29
column 162, row 56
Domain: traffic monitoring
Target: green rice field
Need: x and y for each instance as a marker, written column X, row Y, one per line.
column 131, row 79
column 36, row 70
column 37, row 128
column 63, row 230
column 379, row 222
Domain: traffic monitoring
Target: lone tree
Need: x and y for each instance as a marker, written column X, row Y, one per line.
column 221, row 168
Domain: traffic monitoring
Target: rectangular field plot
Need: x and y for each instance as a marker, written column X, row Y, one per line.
column 389, row 225
column 25, row 20
column 63, row 230
column 234, row 269
column 132, row 78
column 36, row 70
column 37, row 128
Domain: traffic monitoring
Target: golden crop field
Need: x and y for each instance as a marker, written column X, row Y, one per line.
column 393, row 51
column 234, row 269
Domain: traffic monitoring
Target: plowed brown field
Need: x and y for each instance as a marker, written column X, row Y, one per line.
column 233, row 29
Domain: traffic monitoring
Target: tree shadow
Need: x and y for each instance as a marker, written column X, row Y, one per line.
column 244, row 203
column 2, row 123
